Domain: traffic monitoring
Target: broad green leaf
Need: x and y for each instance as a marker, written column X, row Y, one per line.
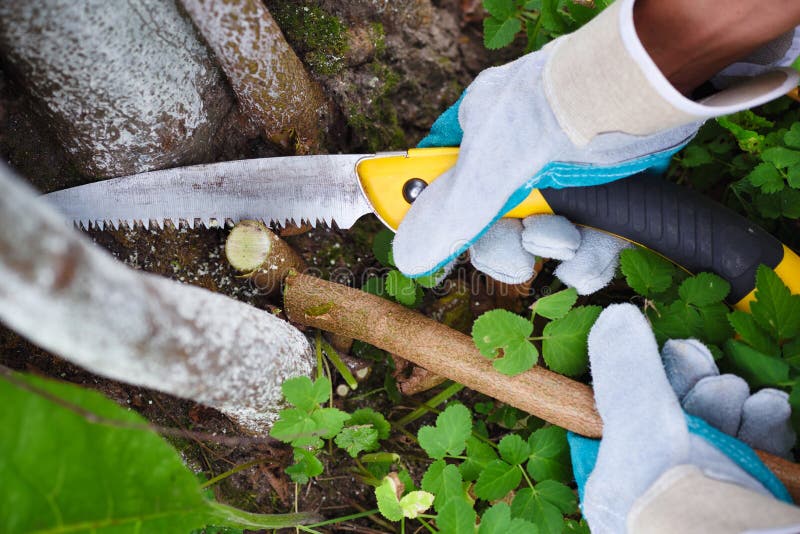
column 793, row 176
column 713, row 327
column 749, row 141
column 479, row 454
column 513, row 449
column 368, row 416
column 556, row 305
column 431, row 280
column 415, row 503
column 754, row 335
column 758, row 369
column 498, row 520
column 388, row 503
column 704, row 288
column 783, row 204
column 500, row 9
column 497, row 480
column 305, row 394
column 558, row 495
column 695, row 156
column 357, row 439
column 382, row 247
column 564, row 347
column 403, row 476
column 675, row 321
column 791, row 353
column 432, row 479
column 498, row 33
column 402, row 288
column 551, row 19
column 781, row 157
column 306, row 466
column 767, row 177
column 530, row 506
column 297, row 427
column 450, row 487
column 329, row 421
column 775, row 308
column 504, row 335
column 449, row 436
column 456, row 517
column 63, row 473
column 792, row 137
column 646, row 272
column 549, row 458
column 375, row 286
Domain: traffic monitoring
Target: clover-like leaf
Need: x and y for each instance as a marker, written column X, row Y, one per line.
column 556, row 305
column 646, row 272
column 497, row 479
column 564, row 347
column 503, row 335
column 549, row 456
column 449, row 436
column 305, row 394
column 357, row 439
column 513, row 449
column 703, row 289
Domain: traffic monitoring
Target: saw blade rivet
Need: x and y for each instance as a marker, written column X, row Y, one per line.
column 412, row 188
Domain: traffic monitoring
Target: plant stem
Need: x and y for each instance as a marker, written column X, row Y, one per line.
column 226, row 474
column 342, row 519
column 336, row 360
column 431, row 403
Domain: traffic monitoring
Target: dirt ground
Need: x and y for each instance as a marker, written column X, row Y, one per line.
column 401, row 64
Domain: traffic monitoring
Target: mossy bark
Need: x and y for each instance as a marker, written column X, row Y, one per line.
column 271, row 84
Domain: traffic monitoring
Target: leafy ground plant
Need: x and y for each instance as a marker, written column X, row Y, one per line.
column 506, row 338
column 540, row 20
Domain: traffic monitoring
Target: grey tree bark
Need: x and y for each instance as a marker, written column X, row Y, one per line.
column 75, row 300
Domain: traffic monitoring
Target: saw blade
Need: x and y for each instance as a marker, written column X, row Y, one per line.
column 295, row 189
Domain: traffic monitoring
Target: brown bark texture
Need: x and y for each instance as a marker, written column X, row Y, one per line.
column 73, row 299
column 271, row 84
column 127, row 87
column 425, row 342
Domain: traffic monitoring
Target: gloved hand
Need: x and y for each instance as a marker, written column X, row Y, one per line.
column 645, row 432
column 541, row 122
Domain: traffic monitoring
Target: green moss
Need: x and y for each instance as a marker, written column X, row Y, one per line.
column 316, row 35
column 377, row 124
column 379, row 37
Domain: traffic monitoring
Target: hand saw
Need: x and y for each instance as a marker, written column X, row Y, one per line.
column 689, row 229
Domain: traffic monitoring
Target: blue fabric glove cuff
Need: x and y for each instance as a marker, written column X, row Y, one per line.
column 584, row 456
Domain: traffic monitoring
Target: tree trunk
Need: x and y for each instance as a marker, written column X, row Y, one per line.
column 126, row 86
column 75, row 300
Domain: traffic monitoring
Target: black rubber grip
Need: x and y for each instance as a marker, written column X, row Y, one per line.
column 688, row 228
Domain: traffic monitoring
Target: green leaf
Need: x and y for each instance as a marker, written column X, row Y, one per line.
column 479, row 454
column 675, row 321
column 758, row 369
column 513, row 449
column 754, row 335
column 329, row 421
column 388, row 503
column 415, row 502
column 432, row 479
column 500, row 9
column 564, row 347
column 306, row 466
column 749, row 141
column 549, row 458
column 498, row 520
column 530, row 506
column 781, row 157
column 504, row 335
column 368, row 416
column 703, row 289
column 402, row 288
column 646, row 272
column 783, row 204
column 456, row 517
column 297, row 427
column 450, row 487
column 792, row 137
column 551, row 19
column 375, row 286
column 449, row 436
column 713, row 328
column 304, row 393
column 767, row 177
column 498, row 33
column 357, row 439
column 556, row 305
column 430, row 280
column 695, row 156
column 558, row 495
column 497, row 480
column 382, row 247
column 793, row 176
column 775, row 308
column 63, row 473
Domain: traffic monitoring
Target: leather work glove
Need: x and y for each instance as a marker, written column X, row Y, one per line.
column 540, row 122
column 650, row 447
